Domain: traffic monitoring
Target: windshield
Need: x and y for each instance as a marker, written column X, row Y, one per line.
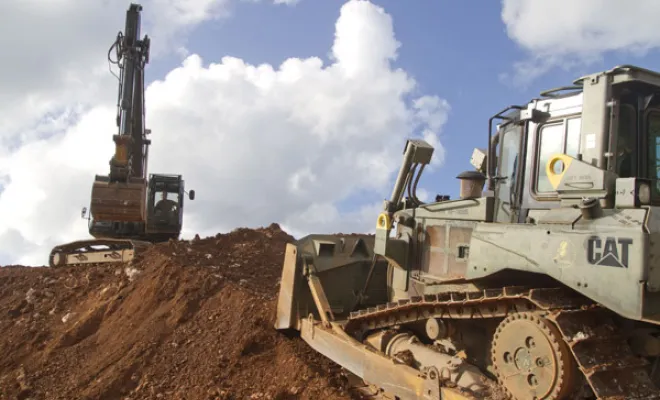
column 165, row 203
column 626, row 160
column 653, row 131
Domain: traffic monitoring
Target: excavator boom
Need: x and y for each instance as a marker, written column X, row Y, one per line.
column 120, row 197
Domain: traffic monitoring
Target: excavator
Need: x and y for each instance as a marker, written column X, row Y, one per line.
column 129, row 210
column 540, row 281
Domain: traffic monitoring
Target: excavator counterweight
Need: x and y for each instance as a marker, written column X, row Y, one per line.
column 128, row 209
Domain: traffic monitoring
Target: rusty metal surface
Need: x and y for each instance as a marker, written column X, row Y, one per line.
column 433, row 258
column 441, row 257
column 459, row 241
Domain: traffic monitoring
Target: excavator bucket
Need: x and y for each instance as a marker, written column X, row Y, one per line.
column 118, row 201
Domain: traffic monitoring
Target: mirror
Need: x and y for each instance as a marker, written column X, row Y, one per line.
column 83, row 212
column 191, row 195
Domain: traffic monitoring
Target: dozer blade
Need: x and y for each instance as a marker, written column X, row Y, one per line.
column 96, row 251
column 390, row 378
column 343, row 264
column 118, row 201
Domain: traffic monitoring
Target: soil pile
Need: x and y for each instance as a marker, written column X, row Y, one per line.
column 187, row 320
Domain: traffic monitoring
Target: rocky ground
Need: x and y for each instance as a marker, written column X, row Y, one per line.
column 188, row 320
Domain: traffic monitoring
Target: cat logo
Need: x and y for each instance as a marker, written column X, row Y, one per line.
column 610, row 252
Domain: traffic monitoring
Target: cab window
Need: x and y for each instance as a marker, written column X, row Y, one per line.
column 626, row 161
column 508, row 171
column 555, row 137
column 653, row 132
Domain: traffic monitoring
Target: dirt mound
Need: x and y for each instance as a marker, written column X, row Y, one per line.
column 188, row 320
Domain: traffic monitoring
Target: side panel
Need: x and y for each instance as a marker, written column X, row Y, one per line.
column 652, row 295
column 445, row 250
column 603, row 258
column 654, row 249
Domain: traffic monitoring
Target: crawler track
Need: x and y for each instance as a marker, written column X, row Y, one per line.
column 96, row 251
column 598, row 345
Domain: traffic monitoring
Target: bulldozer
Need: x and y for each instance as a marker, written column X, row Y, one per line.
column 540, row 281
column 129, row 210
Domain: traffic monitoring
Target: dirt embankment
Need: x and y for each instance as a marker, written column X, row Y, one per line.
column 188, row 320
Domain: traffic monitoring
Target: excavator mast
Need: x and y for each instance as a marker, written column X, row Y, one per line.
column 128, row 210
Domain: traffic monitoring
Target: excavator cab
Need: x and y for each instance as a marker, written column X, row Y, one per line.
column 166, row 195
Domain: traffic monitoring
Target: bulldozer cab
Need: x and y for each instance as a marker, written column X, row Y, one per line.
column 610, row 120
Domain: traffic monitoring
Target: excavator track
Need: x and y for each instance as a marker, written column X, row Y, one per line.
column 599, row 347
column 96, row 251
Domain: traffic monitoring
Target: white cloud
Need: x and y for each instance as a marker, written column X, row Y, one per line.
column 172, row 18
column 55, row 52
column 258, row 143
column 566, row 33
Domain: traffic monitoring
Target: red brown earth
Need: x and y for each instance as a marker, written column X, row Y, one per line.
column 187, row 320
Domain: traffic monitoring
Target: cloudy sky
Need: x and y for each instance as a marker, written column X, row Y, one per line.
column 288, row 111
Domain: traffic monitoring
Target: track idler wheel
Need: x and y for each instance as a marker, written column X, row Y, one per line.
column 57, row 259
column 531, row 360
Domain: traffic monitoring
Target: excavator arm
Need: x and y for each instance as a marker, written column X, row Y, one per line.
column 132, row 54
column 119, row 198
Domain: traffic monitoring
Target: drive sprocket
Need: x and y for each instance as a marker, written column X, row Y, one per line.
column 531, row 360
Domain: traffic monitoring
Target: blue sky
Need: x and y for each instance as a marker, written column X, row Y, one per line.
column 260, row 145
column 457, row 50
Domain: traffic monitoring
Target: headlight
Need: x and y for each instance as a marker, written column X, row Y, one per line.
column 644, row 193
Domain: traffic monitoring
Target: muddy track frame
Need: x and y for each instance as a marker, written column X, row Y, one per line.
column 83, row 253
column 613, row 372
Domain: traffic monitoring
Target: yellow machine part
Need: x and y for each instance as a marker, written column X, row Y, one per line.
column 118, row 201
column 452, row 394
column 555, row 171
column 121, row 150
